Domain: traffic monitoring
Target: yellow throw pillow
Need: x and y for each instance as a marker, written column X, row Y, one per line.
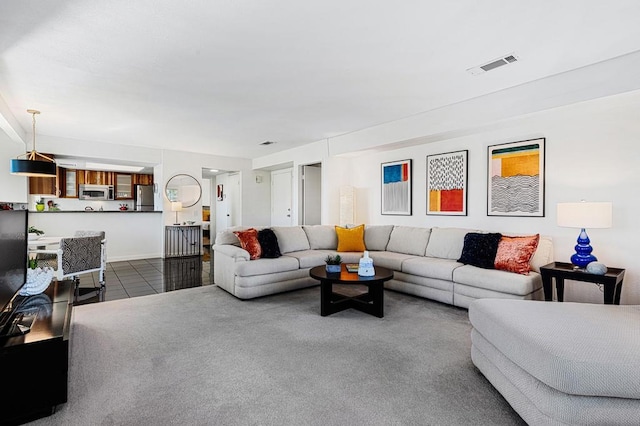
column 350, row 239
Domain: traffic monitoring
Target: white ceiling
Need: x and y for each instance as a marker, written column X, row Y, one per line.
column 222, row 76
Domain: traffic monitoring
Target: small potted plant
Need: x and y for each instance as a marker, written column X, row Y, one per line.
column 333, row 263
column 39, row 204
column 34, row 233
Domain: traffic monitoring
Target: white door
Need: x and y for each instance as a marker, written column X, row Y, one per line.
column 234, row 203
column 281, row 182
column 311, row 187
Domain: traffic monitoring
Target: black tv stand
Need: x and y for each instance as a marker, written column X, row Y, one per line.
column 18, row 325
column 34, row 364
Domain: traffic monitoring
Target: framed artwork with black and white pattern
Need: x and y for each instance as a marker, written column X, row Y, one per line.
column 447, row 183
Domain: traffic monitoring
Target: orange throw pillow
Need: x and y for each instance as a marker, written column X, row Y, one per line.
column 350, row 239
column 249, row 242
column 514, row 253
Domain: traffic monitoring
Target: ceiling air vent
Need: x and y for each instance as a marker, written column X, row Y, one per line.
column 267, row 143
column 496, row 63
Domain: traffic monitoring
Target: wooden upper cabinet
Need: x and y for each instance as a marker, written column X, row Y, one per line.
column 140, row 179
column 95, row 177
column 68, row 182
column 44, row 185
column 124, row 186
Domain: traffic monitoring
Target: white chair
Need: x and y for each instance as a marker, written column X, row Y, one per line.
column 82, row 254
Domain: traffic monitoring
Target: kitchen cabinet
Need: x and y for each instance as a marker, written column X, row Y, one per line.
column 123, row 187
column 95, row 177
column 141, row 179
column 47, row 186
column 68, row 182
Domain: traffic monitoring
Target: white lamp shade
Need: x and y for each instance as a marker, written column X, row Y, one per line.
column 176, row 206
column 585, row 215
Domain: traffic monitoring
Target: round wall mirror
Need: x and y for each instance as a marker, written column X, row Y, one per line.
column 183, row 188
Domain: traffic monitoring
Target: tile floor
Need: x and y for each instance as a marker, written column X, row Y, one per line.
column 149, row 276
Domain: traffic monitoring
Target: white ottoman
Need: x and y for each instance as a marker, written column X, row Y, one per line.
column 560, row 363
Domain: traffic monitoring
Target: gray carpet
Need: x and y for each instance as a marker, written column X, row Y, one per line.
column 200, row 356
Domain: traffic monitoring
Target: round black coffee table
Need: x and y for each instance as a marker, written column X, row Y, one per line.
column 371, row 302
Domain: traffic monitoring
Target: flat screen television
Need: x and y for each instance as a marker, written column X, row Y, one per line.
column 13, row 258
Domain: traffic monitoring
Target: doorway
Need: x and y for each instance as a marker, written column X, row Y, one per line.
column 311, row 194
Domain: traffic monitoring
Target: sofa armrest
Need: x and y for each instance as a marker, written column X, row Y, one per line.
column 235, row 252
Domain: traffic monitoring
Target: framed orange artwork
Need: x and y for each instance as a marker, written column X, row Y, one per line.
column 516, row 179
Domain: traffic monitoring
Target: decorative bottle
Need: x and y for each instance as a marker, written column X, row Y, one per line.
column 365, row 267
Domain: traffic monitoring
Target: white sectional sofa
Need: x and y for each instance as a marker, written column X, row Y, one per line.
column 424, row 261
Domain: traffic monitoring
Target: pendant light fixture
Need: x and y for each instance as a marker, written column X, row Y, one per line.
column 35, row 164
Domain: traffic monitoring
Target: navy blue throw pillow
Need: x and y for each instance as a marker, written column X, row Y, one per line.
column 480, row 249
column 268, row 243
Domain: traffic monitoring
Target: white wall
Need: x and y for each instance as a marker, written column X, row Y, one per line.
column 592, row 152
column 13, row 189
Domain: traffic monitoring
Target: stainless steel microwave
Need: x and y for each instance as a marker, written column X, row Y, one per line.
column 95, row 192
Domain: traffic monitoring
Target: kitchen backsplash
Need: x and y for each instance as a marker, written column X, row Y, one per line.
column 79, row 205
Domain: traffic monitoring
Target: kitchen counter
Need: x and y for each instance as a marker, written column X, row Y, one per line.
column 130, row 234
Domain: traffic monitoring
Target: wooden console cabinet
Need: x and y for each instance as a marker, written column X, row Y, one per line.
column 34, row 366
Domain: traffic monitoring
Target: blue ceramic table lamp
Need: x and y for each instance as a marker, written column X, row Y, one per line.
column 584, row 215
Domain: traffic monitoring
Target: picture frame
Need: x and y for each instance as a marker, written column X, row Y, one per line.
column 447, row 176
column 515, row 178
column 396, row 188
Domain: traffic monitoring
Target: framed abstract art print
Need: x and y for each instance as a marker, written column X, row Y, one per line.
column 447, row 183
column 516, row 179
column 396, row 188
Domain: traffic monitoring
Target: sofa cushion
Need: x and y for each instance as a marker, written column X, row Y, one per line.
column 431, row 267
column 543, row 254
column 389, row 259
column 376, row 237
column 514, row 253
column 291, row 238
column 321, row 237
column 409, row 240
column 266, row 266
column 480, row 249
column 581, row 349
column 447, row 243
column 249, row 242
column 309, row 258
column 350, row 239
column 269, row 243
column 501, row 281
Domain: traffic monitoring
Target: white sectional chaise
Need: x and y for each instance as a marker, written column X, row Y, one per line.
column 424, row 261
column 561, row 363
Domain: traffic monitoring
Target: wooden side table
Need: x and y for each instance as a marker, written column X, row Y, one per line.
column 612, row 280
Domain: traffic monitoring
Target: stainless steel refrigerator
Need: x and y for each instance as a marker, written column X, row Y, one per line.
column 143, row 198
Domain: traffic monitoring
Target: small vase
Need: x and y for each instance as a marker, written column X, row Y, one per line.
column 332, row 269
column 40, row 207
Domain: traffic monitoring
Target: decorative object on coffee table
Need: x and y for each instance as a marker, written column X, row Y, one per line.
column 516, row 179
column 333, row 263
column 365, row 266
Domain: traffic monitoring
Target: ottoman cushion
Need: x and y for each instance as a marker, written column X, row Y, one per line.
column 575, row 348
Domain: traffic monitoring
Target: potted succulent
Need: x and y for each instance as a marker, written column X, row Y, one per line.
column 333, row 263
column 39, row 204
